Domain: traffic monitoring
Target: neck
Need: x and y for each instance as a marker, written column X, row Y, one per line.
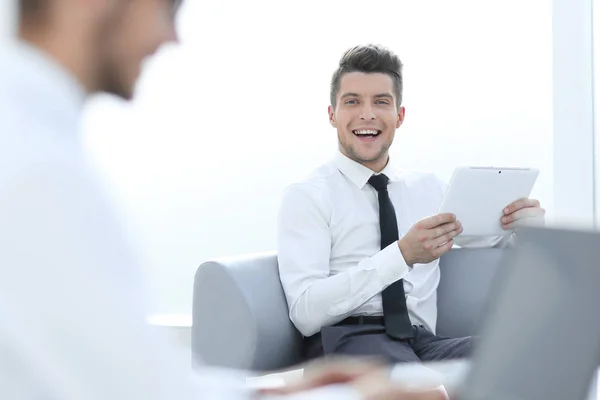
column 68, row 50
column 378, row 165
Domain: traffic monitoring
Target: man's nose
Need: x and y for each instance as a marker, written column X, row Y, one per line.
column 367, row 112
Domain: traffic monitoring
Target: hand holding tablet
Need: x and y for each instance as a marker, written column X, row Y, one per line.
column 489, row 201
column 429, row 239
column 479, row 202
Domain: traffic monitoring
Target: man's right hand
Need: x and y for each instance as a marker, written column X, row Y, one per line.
column 429, row 238
column 378, row 387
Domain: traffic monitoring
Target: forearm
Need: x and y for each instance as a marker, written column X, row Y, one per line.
column 329, row 299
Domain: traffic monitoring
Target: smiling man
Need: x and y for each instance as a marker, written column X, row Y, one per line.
column 359, row 241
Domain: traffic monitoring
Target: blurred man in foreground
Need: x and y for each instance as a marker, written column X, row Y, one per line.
column 72, row 303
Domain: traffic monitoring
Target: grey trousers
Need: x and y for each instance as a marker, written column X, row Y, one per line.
column 371, row 340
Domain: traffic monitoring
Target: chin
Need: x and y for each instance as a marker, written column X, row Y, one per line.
column 125, row 93
column 366, row 156
column 369, row 154
column 118, row 85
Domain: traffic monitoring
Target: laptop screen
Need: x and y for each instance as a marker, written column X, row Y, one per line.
column 541, row 336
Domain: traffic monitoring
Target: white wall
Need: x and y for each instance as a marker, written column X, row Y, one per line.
column 225, row 121
column 593, row 49
column 574, row 196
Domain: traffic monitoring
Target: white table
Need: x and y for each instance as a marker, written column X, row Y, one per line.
column 178, row 328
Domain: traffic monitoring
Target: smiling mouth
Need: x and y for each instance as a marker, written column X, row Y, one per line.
column 366, row 133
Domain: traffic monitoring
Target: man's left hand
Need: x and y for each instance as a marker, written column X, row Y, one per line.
column 523, row 212
column 369, row 378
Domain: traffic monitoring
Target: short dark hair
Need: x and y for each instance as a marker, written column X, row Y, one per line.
column 369, row 58
column 29, row 8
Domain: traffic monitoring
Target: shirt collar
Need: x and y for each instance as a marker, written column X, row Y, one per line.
column 358, row 173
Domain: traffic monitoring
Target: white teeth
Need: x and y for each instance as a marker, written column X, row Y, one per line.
column 366, row 132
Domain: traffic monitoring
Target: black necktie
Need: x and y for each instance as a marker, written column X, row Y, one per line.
column 395, row 313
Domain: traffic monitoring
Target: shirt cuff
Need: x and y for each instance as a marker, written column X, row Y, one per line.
column 391, row 265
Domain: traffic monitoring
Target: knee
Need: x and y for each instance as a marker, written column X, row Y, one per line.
column 465, row 348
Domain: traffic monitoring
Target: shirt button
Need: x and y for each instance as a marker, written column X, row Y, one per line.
column 396, row 274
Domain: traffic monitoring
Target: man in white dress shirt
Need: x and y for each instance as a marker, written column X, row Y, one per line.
column 358, row 241
column 72, row 304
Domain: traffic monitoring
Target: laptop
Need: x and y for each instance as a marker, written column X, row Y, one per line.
column 541, row 334
column 540, row 339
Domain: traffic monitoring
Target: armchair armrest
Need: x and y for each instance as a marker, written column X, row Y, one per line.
column 240, row 315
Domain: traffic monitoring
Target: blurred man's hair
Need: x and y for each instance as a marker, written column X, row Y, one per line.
column 31, row 8
column 35, row 8
column 369, row 58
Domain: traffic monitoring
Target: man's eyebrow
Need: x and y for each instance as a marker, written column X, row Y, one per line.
column 379, row 96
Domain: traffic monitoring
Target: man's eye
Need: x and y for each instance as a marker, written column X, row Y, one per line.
column 351, row 101
column 382, row 102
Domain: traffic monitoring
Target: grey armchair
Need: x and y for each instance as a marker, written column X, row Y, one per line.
column 240, row 315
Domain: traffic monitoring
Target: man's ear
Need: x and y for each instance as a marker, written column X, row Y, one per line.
column 331, row 116
column 401, row 114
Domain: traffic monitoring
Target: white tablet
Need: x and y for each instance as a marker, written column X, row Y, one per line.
column 478, row 196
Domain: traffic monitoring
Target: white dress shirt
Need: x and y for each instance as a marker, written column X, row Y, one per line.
column 330, row 262
column 72, row 301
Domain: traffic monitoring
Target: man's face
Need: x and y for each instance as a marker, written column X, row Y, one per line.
column 366, row 117
column 132, row 31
